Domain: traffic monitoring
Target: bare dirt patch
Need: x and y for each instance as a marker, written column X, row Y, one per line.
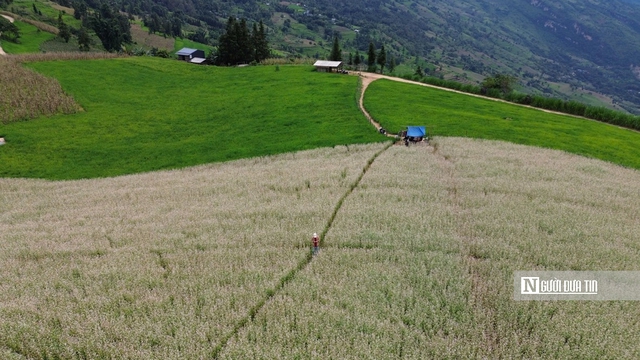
column 142, row 37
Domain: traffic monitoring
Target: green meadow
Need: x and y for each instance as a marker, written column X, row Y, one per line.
column 30, row 39
column 145, row 114
column 397, row 105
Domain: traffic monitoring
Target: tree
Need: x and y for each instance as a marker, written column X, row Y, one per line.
column 112, row 28
column 371, row 59
column 8, row 30
column 260, row 47
column 79, row 9
column 357, row 60
column 64, row 32
column 382, row 59
column 336, row 53
column 244, row 42
column 350, row 62
column 237, row 46
column 84, row 40
column 392, row 64
column 419, row 71
column 502, row 82
column 227, row 44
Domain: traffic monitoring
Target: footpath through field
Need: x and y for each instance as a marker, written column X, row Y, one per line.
column 10, row 20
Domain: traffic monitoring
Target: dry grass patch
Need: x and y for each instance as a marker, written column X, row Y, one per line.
column 158, row 265
column 142, row 37
column 55, row 56
column 292, row 61
column 28, row 94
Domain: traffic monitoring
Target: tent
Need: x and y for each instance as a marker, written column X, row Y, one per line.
column 416, row 131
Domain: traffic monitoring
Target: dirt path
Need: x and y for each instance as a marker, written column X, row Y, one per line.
column 366, row 80
column 10, row 20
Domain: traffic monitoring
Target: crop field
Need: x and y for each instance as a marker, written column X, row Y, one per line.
column 417, row 260
column 159, row 265
column 27, row 94
column 143, row 114
column 397, row 105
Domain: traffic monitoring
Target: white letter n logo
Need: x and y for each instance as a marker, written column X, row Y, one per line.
column 529, row 285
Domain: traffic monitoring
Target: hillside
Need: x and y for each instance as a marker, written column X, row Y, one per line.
column 417, row 257
column 585, row 51
column 588, row 45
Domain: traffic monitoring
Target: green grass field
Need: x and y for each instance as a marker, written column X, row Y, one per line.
column 47, row 9
column 397, row 105
column 30, row 39
column 144, row 114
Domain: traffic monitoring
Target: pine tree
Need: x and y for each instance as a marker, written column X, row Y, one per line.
column 84, row 41
column 227, row 43
column 238, row 45
column 336, row 53
column 382, row 59
column 244, row 42
column 262, row 46
column 64, row 32
column 357, row 59
column 371, row 59
column 259, row 45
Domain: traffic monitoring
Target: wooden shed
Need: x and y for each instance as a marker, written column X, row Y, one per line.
column 191, row 55
column 328, row 66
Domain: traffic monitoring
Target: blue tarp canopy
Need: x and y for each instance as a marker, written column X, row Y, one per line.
column 416, row 131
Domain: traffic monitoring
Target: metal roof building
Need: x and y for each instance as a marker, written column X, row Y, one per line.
column 191, row 55
column 328, row 66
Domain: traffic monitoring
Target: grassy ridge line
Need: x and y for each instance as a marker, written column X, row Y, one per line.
column 301, row 265
column 445, row 113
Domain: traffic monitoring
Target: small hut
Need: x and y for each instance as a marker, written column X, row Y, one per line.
column 191, row 55
column 328, row 66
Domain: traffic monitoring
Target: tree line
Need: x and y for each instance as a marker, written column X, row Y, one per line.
column 374, row 58
column 238, row 45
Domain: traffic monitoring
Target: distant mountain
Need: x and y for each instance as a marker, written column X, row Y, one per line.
column 589, row 44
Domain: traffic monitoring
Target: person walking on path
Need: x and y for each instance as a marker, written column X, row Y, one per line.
column 316, row 243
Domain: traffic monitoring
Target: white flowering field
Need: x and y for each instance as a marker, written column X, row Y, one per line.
column 213, row 261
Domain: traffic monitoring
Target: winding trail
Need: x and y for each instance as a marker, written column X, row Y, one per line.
column 10, row 20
